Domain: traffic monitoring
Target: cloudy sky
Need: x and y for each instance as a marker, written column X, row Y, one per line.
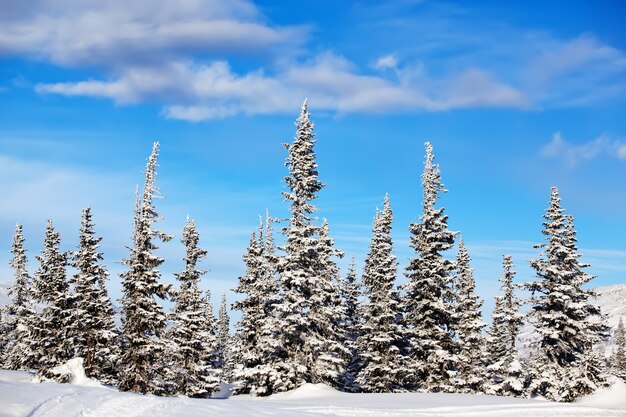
column 514, row 99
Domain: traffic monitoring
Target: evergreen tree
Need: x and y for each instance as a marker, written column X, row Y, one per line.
column 224, row 361
column 380, row 343
column 468, row 326
column 192, row 362
column 565, row 366
column 54, row 329
column 143, row 319
column 326, row 316
column 505, row 369
column 618, row 359
column 300, row 267
column 19, row 314
column 96, row 337
column 351, row 293
column 426, row 304
column 254, row 346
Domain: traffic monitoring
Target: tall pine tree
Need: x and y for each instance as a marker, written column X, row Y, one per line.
column 505, row 370
column 143, row 319
column 468, row 326
column 300, row 346
column 427, row 294
column 380, row 343
column 53, row 330
column 191, row 363
column 96, row 336
column 565, row 366
column 254, row 347
column 18, row 316
column 224, row 360
column 351, row 293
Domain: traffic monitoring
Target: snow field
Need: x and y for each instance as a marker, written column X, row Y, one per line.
column 19, row 397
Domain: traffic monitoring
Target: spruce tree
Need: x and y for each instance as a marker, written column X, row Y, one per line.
column 351, row 294
column 326, row 316
column 380, row 343
column 224, row 361
column 192, row 365
column 96, row 336
column 468, row 326
column 18, row 316
column 143, row 319
column 54, row 329
column 254, row 345
column 299, row 268
column 618, row 358
column 426, row 304
column 505, row 370
column 568, row 324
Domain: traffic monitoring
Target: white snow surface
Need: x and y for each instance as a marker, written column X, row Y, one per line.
column 21, row 398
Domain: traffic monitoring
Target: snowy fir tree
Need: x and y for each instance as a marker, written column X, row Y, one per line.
column 254, row 344
column 351, row 294
column 143, row 319
column 618, row 358
column 223, row 357
column 505, row 373
column 468, row 326
column 568, row 324
column 425, row 303
column 19, row 314
column 191, row 362
column 299, row 266
column 96, row 337
column 326, row 315
column 380, row 342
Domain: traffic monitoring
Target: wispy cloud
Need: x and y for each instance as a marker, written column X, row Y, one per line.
column 115, row 33
column 333, row 83
column 187, row 58
column 574, row 154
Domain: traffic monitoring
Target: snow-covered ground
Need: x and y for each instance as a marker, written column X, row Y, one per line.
column 21, row 398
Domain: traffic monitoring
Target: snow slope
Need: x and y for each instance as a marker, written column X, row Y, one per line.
column 21, row 398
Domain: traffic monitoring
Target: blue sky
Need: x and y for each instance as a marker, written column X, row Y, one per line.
column 515, row 98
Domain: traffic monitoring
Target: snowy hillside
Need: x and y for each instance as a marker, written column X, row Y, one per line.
column 612, row 302
column 4, row 296
column 21, row 398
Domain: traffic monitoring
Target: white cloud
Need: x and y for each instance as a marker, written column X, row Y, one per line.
column 198, row 92
column 574, row 154
column 386, row 62
column 116, row 32
column 575, row 72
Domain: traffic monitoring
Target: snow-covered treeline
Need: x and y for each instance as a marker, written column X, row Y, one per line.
column 301, row 320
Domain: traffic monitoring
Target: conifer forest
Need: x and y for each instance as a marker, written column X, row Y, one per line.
column 301, row 318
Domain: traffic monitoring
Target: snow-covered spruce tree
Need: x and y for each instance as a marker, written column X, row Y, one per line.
column 143, row 319
column 380, row 342
column 425, row 304
column 191, row 364
column 18, row 315
column 352, row 324
column 505, row 371
column 326, row 316
column 223, row 349
column 568, row 324
column 299, row 266
column 618, row 358
column 468, row 326
column 54, row 329
column 254, row 345
column 96, row 337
